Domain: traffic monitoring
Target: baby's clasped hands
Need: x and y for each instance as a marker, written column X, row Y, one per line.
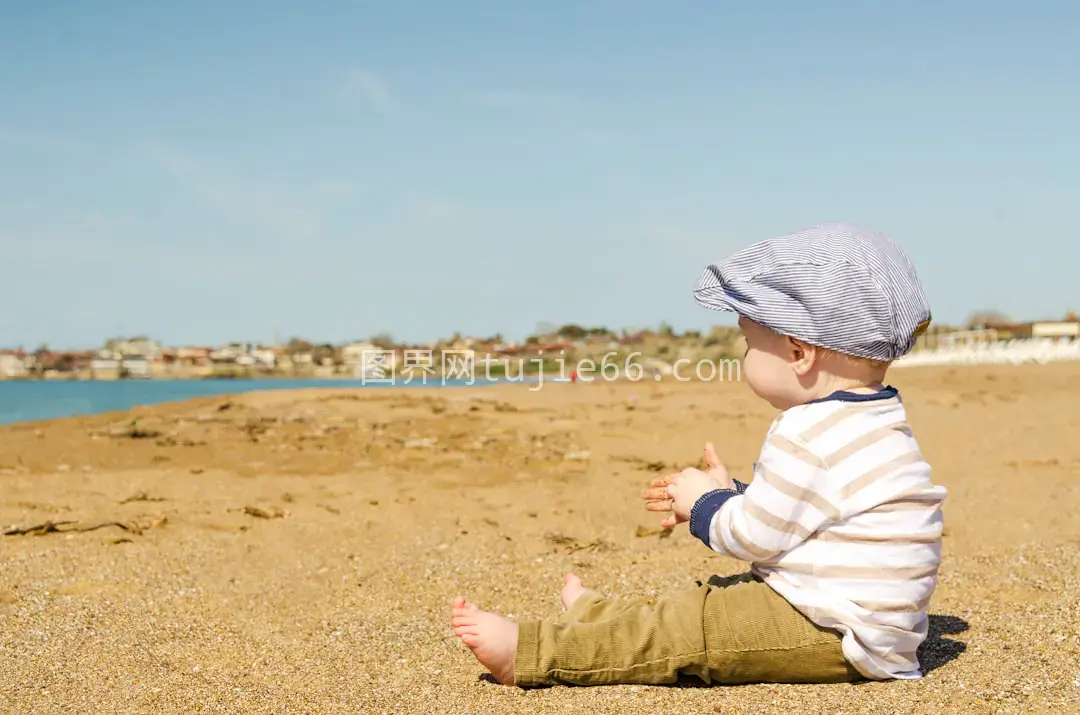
column 677, row 493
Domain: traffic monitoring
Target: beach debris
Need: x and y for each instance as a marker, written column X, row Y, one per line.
column 132, row 430
column 1052, row 462
column 38, row 506
column 572, row 545
column 662, row 531
column 255, row 428
column 47, row 527
column 331, row 509
column 63, row 468
column 172, row 441
column 268, row 513
column 57, row 527
column 140, row 496
column 580, row 456
column 649, row 465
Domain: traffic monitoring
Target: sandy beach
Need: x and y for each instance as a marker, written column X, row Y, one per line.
column 297, row 551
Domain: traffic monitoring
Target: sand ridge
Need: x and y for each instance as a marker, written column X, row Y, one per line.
column 297, row 551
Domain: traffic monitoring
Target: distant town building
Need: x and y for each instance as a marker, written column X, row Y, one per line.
column 352, row 355
column 135, row 366
column 105, row 361
column 143, row 347
column 1062, row 329
column 264, row 357
column 193, row 356
column 13, row 363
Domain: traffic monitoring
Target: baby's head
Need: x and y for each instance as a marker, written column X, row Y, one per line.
column 824, row 309
column 786, row 371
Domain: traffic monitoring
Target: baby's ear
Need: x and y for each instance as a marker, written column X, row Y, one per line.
column 803, row 355
column 797, row 348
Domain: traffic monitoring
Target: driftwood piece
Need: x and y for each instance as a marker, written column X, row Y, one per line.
column 48, row 527
column 54, row 527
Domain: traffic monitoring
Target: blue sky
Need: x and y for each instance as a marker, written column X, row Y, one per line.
column 204, row 172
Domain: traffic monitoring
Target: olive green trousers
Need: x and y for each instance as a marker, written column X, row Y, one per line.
column 728, row 631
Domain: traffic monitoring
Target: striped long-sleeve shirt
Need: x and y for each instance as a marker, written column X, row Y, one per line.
column 842, row 520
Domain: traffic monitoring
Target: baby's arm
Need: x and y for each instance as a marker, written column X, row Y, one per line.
column 786, row 502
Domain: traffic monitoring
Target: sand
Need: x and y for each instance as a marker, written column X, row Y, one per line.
column 297, row 551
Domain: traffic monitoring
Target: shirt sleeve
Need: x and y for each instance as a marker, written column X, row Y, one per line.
column 786, row 502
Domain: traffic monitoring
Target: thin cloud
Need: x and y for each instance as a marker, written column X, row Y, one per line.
column 240, row 201
column 368, row 88
column 438, row 212
column 565, row 109
column 523, row 100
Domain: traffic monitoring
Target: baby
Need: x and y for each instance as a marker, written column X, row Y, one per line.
column 841, row 522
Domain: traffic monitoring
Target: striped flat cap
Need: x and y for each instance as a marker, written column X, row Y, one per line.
column 839, row 286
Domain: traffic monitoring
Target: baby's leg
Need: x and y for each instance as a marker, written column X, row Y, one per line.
column 754, row 635
column 582, row 604
column 743, row 632
column 494, row 639
column 600, row 641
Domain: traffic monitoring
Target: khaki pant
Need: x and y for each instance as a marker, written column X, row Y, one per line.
column 729, row 631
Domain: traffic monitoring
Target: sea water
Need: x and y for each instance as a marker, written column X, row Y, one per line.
column 31, row 400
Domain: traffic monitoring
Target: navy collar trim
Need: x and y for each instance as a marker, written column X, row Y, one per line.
column 843, row 396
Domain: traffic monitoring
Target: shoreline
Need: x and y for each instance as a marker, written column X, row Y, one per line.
column 268, row 377
column 51, row 400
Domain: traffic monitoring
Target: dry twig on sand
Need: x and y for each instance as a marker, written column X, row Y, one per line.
column 54, row 527
column 271, row 513
column 140, row 496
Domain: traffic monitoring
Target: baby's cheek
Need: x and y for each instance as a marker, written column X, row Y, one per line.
column 750, row 365
column 755, row 372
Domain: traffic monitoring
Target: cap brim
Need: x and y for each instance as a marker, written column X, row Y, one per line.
column 745, row 299
column 712, row 293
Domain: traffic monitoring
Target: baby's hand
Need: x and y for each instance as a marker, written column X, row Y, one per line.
column 716, row 469
column 677, row 493
column 685, row 489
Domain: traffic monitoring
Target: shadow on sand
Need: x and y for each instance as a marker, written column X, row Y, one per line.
column 937, row 650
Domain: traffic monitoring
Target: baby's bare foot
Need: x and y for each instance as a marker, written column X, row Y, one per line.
column 572, row 590
column 492, row 638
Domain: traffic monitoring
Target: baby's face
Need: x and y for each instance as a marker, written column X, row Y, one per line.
column 767, row 365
